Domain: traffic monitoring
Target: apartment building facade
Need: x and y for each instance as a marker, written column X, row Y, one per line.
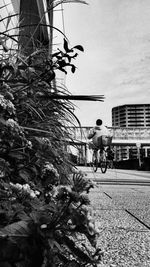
column 137, row 115
column 131, row 116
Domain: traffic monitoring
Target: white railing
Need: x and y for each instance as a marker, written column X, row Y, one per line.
column 81, row 133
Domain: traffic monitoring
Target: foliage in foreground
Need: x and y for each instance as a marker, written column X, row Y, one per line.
column 44, row 215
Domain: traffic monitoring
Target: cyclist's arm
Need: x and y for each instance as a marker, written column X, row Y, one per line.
column 91, row 134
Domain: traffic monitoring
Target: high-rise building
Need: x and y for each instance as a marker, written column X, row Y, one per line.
column 132, row 115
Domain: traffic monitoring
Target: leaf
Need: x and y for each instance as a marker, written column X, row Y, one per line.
column 23, row 74
column 5, row 48
column 84, row 199
column 62, row 63
column 66, row 45
column 77, row 251
column 63, row 70
column 76, row 97
column 17, row 155
column 79, row 47
column 34, row 170
column 56, row 54
column 17, row 229
column 53, row 243
column 25, row 175
column 56, row 3
column 52, row 76
column 79, row 183
column 31, row 72
column 73, row 68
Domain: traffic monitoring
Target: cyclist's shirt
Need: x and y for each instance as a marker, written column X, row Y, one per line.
column 96, row 132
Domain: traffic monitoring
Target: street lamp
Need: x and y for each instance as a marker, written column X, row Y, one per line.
column 138, row 145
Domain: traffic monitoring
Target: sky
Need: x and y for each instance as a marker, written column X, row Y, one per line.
column 115, row 35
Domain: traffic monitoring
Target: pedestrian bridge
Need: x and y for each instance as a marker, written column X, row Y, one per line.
column 121, row 136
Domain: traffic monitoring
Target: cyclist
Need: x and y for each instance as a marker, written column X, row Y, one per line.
column 96, row 134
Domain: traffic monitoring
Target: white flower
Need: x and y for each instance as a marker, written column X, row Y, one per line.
column 49, row 167
column 29, row 144
column 19, row 186
column 2, row 174
column 37, row 193
column 26, row 187
column 12, row 123
column 14, row 126
column 7, row 104
column 43, row 226
column 32, row 194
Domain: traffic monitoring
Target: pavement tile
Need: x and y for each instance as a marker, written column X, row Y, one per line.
column 125, row 248
column 117, row 219
column 100, row 201
column 132, row 201
column 142, row 214
column 136, row 201
column 124, row 240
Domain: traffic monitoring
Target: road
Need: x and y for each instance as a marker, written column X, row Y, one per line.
column 121, row 204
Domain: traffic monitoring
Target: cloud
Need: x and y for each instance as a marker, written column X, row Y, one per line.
column 116, row 62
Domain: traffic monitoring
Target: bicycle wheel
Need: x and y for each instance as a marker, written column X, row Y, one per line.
column 94, row 162
column 103, row 166
column 103, row 162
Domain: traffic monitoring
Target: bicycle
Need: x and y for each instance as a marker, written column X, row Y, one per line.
column 99, row 160
column 99, row 157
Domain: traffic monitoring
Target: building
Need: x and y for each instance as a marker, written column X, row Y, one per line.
column 136, row 115
column 131, row 116
column 29, row 22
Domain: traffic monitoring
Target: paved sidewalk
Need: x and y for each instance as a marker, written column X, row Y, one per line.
column 118, row 176
column 122, row 214
column 111, row 173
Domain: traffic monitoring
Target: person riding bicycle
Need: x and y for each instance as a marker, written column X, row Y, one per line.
column 98, row 134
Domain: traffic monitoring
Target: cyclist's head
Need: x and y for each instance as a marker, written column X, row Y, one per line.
column 99, row 122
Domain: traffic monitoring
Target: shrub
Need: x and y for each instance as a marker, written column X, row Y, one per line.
column 44, row 216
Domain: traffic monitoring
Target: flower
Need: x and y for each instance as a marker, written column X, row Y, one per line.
column 29, row 144
column 43, row 226
column 14, row 127
column 7, row 105
column 48, row 167
column 37, row 193
column 25, row 188
column 12, row 123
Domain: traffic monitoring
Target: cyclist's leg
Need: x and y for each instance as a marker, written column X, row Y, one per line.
column 95, row 160
column 96, row 153
column 103, row 161
column 102, row 154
